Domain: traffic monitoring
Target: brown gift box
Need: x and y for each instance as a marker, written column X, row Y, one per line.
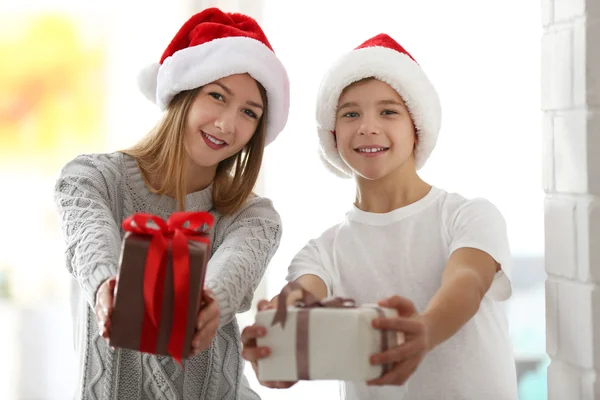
column 129, row 305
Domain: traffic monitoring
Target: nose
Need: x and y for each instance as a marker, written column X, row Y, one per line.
column 368, row 126
column 225, row 122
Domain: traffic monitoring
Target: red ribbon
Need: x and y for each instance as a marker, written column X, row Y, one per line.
column 179, row 228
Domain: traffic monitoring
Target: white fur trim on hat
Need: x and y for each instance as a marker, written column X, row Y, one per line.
column 397, row 70
column 330, row 155
column 147, row 81
column 197, row 66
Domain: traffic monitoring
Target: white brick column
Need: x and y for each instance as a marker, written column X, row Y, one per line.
column 571, row 180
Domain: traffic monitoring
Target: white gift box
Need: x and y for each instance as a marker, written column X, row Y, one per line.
column 332, row 343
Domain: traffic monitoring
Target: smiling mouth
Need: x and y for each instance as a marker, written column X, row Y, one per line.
column 213, row 139
column 370, row 150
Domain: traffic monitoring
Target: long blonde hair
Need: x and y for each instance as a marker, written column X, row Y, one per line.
column 162, row 154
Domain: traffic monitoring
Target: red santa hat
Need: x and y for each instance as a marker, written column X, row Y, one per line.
column 380, row 57
column 212, row 45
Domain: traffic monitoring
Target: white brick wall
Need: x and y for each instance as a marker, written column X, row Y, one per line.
column 569, row 382
column 571, row 179
column 567, row 9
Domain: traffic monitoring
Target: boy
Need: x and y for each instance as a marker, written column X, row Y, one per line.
column 436, row 257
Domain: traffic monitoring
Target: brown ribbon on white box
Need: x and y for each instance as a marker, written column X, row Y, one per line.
column 307, row 302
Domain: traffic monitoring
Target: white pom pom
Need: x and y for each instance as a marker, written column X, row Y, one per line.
column 147, row 81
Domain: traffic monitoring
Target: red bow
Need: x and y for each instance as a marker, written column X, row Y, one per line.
column 179, row 228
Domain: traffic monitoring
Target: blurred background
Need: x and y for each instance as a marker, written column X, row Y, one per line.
column 68, row 74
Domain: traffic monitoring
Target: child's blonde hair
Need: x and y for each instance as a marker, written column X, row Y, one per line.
column 162, row 154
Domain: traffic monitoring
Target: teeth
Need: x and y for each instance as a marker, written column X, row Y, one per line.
column 212, row 139
column 375, row 150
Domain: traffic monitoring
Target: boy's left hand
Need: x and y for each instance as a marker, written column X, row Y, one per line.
column 407, row 356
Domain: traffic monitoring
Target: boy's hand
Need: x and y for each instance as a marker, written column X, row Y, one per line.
column 407, row 356
column 251, row 352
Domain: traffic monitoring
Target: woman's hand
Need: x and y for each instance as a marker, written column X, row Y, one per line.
column 207, row 323
column 104, row 305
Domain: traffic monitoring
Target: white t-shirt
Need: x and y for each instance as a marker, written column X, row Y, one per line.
column 372, row 256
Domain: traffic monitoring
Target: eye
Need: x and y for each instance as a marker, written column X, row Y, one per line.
column 217, row 96
column 250, row 113
column 388, row 112
column 351, row 114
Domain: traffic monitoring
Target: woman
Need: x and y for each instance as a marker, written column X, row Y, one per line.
column 225, row 96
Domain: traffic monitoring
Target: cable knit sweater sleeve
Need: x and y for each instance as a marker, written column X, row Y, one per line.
column 240, row 261
column 82, row 197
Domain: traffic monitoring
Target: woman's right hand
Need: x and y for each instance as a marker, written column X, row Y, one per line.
column 251, row 352
column 104, row 305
